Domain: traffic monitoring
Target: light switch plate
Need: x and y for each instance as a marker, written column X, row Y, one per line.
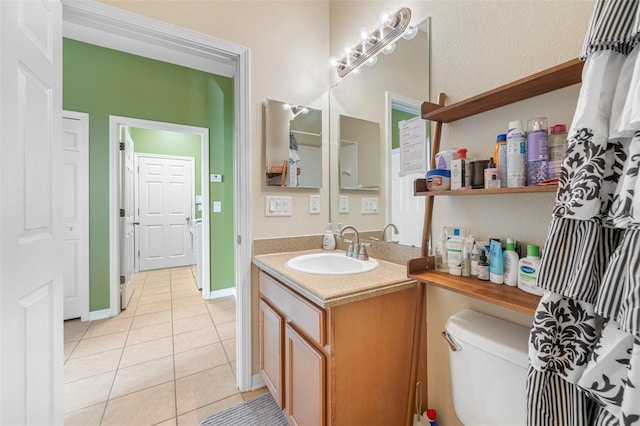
column 314, row 204
column 369, row 206
column 217, row 206
column 216, row 177
column 277, row 206
column 344, row 204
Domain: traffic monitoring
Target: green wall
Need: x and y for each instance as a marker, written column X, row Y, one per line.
column 151, row 141
column 103, row 82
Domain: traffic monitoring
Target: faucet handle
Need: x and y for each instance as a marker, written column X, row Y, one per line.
column 350, row 248
column 362, row 253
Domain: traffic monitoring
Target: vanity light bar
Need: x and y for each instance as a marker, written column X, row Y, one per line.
column 392, row 29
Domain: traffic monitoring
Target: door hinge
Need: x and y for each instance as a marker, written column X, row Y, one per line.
column 239, row 239
column 138, row 253
column 121, row 212
column 121, row 279
column 121, row 146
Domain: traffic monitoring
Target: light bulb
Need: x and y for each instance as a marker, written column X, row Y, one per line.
column 371, row 61
column 410, row 33
column 389, row 48
column 364, row 34
column 384, row 16
column 356, row 71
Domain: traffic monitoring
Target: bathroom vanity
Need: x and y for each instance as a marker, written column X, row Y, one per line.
column 336, row 349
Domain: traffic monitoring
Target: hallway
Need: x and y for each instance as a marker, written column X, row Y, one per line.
column 168, row 359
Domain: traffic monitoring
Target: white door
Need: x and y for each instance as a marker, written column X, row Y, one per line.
column 127, row 209
column 165, row 202
column 31, row 213
column 75, row 214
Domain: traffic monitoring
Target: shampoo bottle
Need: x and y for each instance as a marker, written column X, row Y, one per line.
column 496, row 265
column 528, row 268
column 510, row 264
column 516, row 155
column 475, row 258
column 329, row 240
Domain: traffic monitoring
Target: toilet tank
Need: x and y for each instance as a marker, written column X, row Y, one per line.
column 488, row 370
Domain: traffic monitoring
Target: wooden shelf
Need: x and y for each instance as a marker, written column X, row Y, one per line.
column 565, row 74
column 498, row 294
column 420, row 190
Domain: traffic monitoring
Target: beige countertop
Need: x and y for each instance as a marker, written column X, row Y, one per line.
column 333, row 290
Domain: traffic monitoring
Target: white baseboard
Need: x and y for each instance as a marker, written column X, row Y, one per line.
column 216, row 294
column 98, row 315
column 257, row 382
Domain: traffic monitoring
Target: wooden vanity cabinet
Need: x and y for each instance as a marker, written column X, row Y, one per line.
column 342, row 365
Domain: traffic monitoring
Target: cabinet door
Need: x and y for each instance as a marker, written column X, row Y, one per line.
column 305, row 381
column 271, row 341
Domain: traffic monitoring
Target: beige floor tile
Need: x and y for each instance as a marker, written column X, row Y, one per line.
column 171, row 422
column 154, row 307
column 151, row 319
column 195, row 417
column 74, row 334
column 196, row 391
column 222, row 316
column 187, row 301
column 147, row 351
column 142, row 376
column 189, row 311
column 190, row 324
column 227, row 330
column 152, row 291
column 108, row 326
column 147, row 407
column 144, row 300
column 254, row 393
column 91, row 365
column 87, row 392
column 184, row 285
column 99, row 344
column 200, row 359
column 195, row 339
column 76, row 324
column 181, row 294
column 152, row 332
column 130, row 311
column 230, row 349
column 86, row 417
column 222, row 303
column 68, row 349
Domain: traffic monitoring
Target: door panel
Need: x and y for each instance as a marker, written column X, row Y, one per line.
column 127, row 203
column 75, row 214
column 165, row 196
column 31, row 226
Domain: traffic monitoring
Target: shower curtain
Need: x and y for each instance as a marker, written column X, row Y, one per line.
column 584, row 347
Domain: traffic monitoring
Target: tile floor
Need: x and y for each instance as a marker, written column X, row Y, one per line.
column 168, row 359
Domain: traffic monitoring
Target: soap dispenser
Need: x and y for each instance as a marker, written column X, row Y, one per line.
column 329, row 240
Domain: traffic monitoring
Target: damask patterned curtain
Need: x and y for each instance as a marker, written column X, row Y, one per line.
column 584, row 347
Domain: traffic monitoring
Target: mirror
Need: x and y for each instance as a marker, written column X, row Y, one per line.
column 293, row 145
column 359, row 154
column 386, row 94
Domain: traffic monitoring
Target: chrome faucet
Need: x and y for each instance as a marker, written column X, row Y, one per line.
column 355, row 249
column 384, row 231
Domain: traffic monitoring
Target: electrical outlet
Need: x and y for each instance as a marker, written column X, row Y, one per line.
column 344, row 204
column 314, row 204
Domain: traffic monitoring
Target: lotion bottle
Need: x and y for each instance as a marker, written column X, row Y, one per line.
column 528, row 268
column 496, row 265
column 510, row 264
column 329, row 240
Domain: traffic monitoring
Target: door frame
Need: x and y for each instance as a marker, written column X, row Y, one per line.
column 107, row 26
column 115, row 122
column 83, row 214
column 192, row 160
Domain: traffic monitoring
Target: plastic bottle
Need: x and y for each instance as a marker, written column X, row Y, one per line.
column 528, row 268
column 454, row 254
column 475, row 258
column 442, row 264
column 462, row 154
column 516, row 155
column 496, row 265
column 557, row 148
column 466, row 262
column 491, row 175
column 500, row 157
column 329, row 240
column 537, row 151
column 510, row 264
column 483, row 267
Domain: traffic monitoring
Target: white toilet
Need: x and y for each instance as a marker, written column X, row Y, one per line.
column 488, row 369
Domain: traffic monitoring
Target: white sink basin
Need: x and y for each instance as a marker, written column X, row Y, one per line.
column 330, row 264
